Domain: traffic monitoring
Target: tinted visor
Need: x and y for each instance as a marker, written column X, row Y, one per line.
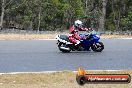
column 79, row 25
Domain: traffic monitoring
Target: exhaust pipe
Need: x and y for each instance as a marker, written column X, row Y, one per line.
column 64, row 48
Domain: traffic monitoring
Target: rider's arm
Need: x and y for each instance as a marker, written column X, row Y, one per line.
column 84, row 29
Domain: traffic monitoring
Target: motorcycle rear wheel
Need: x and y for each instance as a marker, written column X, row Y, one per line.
column 63, row 45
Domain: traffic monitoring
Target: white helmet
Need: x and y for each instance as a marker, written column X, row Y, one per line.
column 78, row 23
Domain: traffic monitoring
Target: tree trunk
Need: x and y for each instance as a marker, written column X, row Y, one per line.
column 39, row 18
column 102, row 18
column 2, row 14
column 113, row 10
column 118, row 23
column 86, row 10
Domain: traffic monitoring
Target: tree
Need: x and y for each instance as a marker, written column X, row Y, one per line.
column 57, row 14
column 2, row 14
column 102, row 18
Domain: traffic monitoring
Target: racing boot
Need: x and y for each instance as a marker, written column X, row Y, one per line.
column 88, row 49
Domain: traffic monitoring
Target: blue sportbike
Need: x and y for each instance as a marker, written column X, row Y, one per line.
column 88, row 41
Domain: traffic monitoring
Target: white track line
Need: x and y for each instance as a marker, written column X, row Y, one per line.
column 44, row 39
column 102, row 38
column 13, row 73
column 126, row 38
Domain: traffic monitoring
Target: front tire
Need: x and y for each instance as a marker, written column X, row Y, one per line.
column 97, row 47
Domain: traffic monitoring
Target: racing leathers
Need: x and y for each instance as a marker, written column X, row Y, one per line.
column 74, row 36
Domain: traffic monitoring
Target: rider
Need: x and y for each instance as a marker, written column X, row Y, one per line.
column 73, row 32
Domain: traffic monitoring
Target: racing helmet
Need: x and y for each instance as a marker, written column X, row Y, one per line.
column 78, row 24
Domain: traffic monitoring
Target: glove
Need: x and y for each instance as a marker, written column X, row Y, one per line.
column 86, row 29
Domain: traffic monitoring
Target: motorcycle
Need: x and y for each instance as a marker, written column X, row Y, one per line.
column 87, row 42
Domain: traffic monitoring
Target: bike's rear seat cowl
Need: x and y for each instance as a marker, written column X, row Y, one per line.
column 64, row 37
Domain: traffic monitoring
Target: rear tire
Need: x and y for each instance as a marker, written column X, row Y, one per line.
column 97, row 47
column 64, row 45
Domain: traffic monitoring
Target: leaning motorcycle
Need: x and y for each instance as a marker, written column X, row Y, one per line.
column 91, row 40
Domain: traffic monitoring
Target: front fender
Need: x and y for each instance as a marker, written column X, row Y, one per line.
column 96, row 40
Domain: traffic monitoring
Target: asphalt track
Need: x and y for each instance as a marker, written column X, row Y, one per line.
column 43, row 55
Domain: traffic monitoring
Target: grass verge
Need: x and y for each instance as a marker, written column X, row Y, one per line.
column 47, row 36
column 64, row 79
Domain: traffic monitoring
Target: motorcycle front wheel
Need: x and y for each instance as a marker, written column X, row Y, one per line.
column 97, row 47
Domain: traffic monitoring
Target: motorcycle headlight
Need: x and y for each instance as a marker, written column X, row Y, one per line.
column 98, row 36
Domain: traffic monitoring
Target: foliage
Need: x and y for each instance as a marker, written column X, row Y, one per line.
column 54, row 14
